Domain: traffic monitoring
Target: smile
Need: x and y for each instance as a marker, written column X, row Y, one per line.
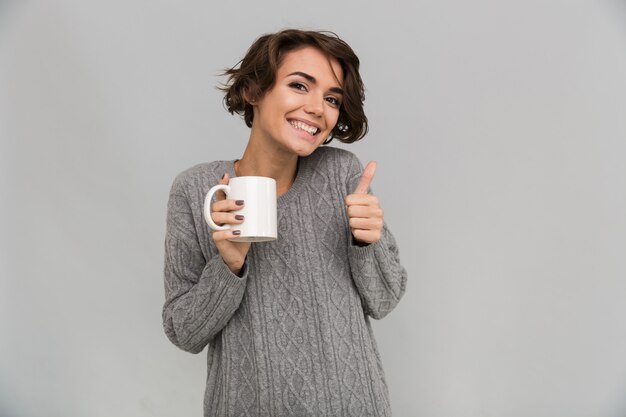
column 311, row 130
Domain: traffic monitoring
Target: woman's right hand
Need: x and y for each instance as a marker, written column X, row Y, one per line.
column 233, row 253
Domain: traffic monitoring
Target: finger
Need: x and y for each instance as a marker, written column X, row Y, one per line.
column 365, row 212
column 366, row 178
column 221, row 218
column 220, row 235
column 367, row 236
column 361, row 200
column 366, row 224
column 227, row 205
column 220, row 195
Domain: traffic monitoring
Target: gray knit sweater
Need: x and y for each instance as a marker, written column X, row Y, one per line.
column 292, row 336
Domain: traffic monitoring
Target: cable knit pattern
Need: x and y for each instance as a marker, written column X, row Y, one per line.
column 292, row 336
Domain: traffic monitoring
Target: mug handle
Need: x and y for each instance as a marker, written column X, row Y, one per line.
column 207, row 206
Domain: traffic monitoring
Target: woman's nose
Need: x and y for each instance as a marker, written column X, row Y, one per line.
column 314, row 106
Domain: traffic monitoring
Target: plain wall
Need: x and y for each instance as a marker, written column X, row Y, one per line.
column 499, row 128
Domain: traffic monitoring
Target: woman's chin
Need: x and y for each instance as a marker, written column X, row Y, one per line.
column 307, row 149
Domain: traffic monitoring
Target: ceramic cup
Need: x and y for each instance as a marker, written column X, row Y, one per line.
column 259, row 209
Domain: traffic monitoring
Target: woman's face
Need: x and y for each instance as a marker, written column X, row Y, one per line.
column 298, row 113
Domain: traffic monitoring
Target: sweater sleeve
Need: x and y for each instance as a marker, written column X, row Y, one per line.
column 201, row 294
column 376, row 270
column 378, row 275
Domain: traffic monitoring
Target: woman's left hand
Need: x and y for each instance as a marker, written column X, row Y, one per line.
column 364, row 212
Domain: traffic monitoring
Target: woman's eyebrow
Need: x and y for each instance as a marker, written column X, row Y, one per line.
column 312, row 80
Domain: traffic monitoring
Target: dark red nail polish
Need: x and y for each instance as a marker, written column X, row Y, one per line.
column 239, row 202
column 236, row 232
column 238, row 216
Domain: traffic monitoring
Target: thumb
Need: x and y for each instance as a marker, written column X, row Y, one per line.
column 366, row 178
column 224, row 180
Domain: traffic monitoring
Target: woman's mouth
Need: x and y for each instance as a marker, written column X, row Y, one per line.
column 311, row 130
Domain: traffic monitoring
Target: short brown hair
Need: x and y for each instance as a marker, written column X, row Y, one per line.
column 255, row 74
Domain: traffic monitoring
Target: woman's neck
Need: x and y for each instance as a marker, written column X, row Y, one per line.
column 266, row 162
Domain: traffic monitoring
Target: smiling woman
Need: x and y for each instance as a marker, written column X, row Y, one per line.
column 300, row 111
column 286, row 322
column 257, row 71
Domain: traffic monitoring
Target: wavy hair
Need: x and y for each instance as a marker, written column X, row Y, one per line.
column 255, row 74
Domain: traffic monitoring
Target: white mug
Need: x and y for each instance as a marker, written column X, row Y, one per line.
column 259, row 208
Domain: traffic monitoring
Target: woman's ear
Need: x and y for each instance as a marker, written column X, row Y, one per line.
column 250, row 99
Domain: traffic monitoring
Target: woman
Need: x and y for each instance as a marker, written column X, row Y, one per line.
column 287, row 322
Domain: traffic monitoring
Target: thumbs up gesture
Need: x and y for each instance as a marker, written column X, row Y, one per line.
column 364, row 213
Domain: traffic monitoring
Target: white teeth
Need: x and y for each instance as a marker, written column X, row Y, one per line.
column 303, row 126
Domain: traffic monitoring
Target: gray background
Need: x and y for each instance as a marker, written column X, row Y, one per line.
column 500, row 132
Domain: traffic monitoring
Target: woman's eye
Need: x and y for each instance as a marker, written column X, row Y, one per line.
column 298, row 86
column 333, row 101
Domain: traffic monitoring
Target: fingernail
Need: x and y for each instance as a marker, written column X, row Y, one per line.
column 239, row 216
column 239, row 202
column 236, row 232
